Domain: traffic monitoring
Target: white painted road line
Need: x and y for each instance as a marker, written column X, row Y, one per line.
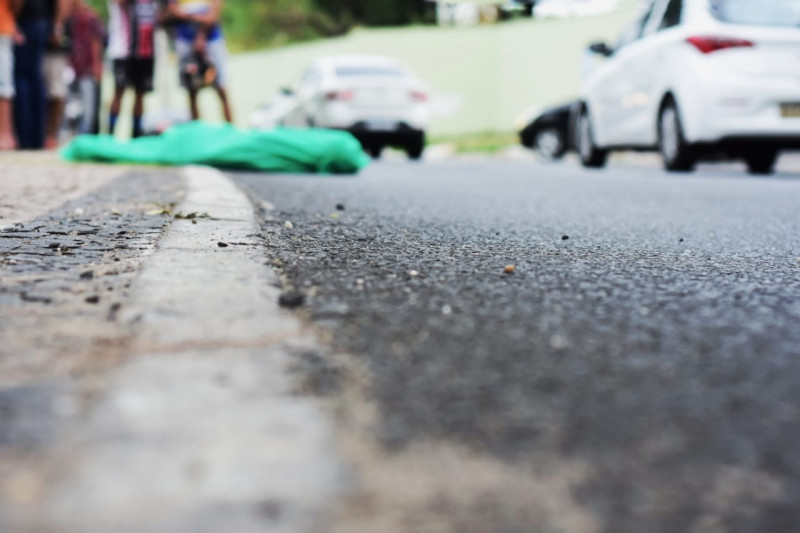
column 199, row 431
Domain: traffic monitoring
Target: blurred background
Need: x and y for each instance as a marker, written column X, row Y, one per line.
column 490, row 65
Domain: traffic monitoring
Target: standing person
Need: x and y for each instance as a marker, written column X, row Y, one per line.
column 8, row 33
column 86, row 57
column 131, row 28
column 198, row 41
column 56, row 60
column 34, row 23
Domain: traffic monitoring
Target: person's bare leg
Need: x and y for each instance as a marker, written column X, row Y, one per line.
column 138, row 112
column 7, row 141
column 113, row 110
column 193, row 105
column 55, row 114
column 226, row 106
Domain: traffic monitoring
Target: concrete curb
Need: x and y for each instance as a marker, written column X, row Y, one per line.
column 200, row 430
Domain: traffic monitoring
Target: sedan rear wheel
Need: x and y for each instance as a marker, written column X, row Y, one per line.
column 677, row 154
column 590, row 155
column 415, row 146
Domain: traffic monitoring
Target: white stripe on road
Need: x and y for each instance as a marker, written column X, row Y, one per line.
column 199, row 431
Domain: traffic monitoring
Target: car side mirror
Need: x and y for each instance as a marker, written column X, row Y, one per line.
column 601, row 48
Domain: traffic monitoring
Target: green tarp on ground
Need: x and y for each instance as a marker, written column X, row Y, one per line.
column 224, row 146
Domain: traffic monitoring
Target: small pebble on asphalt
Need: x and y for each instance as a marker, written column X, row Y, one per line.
column 194, row 221
column 413, row 273
column 291, row 299
column 288, row 225
column 340, row 207
column 222, row 244
column 510, row 269
column 565, row 237
column 89, row 274
column 92, row 299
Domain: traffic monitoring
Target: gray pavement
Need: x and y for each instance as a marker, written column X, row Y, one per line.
column 145, row 381
column 637, row 372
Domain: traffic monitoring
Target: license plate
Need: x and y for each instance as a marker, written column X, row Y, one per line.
column 381, row 125
column 790, row 110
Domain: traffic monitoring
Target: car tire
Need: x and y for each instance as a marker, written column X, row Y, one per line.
column 549, row 144
column 374, row 151
column 761, row 162
column 676, row 153
column 590, row 155
column 415, row 147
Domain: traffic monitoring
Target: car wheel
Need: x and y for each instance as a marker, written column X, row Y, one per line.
column 761, row 162
column 677, row 154
column 415, row 147
column 374, row 151
column 590, row 155
column 549, row 144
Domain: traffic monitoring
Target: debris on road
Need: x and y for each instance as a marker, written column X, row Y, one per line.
column 510, row 269
column 292, row 299
column 191, row 216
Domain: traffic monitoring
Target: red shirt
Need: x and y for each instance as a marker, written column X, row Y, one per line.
column 86, row 30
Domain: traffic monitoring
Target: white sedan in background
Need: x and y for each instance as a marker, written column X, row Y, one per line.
column 377, row 99
column 698, row 79
column 573, row 8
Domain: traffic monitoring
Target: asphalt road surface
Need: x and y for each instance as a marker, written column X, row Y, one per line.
column 650, row 330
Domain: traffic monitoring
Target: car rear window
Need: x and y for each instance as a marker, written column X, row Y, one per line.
column 347, row 72
column 758, row 13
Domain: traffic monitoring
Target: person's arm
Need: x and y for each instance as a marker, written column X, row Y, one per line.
column 60, row 17
column 211, row 18
column 16, row 6
column 16, row 9
column 98, row 40
column 173, row 12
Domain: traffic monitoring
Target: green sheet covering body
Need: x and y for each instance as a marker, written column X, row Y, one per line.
column 224, row 146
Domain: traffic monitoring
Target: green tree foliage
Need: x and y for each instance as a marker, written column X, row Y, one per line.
column 250, row 24
column 377, row 12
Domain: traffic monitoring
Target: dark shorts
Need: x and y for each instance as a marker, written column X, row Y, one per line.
column 136, row 73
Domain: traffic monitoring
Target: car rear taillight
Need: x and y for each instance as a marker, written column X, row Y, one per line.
column 708, row 44
column 419, row 96
column 344, row 96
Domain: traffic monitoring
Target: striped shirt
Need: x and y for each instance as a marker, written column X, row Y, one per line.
column 131, row 27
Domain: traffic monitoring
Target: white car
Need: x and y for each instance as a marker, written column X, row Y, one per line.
column 573, row 8
column 377, row 99
column 698, row 79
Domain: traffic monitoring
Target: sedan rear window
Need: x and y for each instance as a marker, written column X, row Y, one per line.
column 347, row 72
column 760, row 13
